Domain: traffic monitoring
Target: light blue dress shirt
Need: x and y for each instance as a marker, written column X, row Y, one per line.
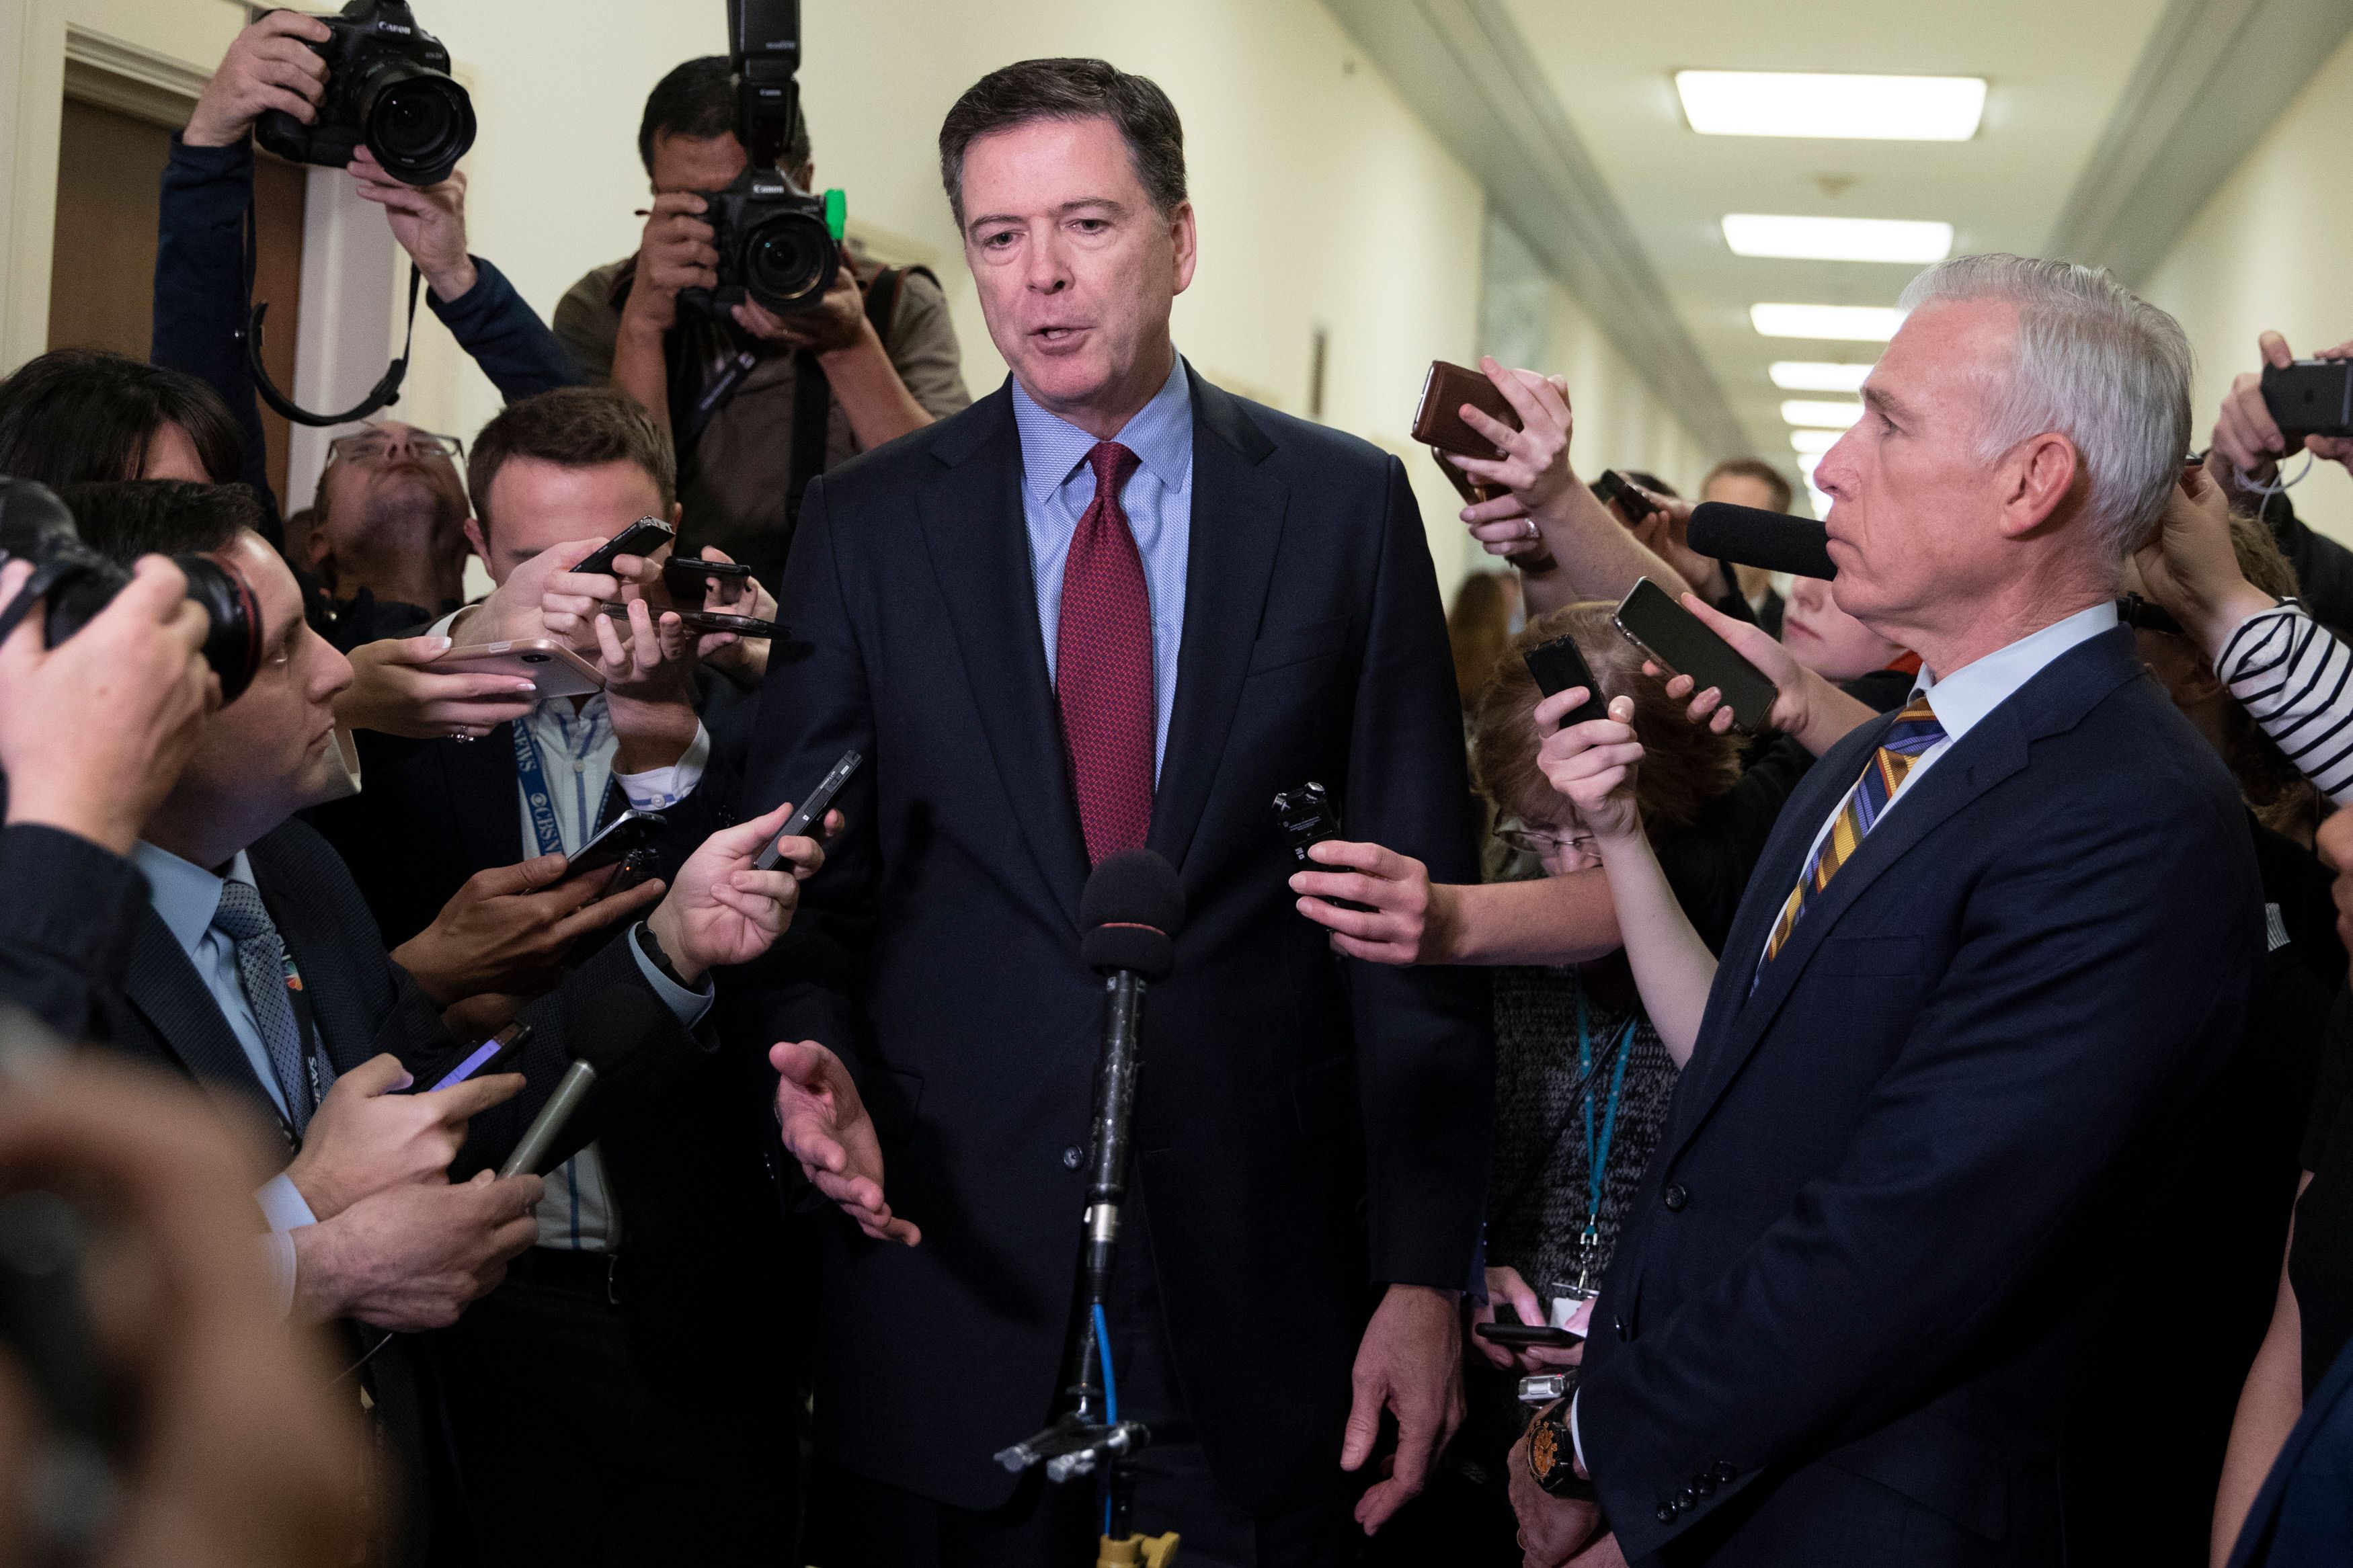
column 186, row 897
column 1058, row 484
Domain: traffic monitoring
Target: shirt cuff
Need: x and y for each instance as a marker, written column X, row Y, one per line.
column 1575, row 1440
column 440, row 629
column 278, row 1257
column 688, row 1005
column 657, row 788
column 282, row 1204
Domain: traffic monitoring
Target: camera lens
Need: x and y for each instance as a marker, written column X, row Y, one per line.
column 233, row 646
column 417, row 122
column 789, row 261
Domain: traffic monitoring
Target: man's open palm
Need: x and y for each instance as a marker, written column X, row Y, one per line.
column 826, row 1128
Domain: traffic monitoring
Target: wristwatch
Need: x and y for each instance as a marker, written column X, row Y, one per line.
column 651, row 945
column 1552, row 1451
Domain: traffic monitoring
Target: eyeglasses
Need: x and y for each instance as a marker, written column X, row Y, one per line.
column 1534, row 841
column 374, row 445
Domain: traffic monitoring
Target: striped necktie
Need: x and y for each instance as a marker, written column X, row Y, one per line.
column 267, row 981
column 1915, row 731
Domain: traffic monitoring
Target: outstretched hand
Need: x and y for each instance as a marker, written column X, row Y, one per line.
column 724, row 910
column 825, row 1126
column 1406, row 917
column 1591, row 766
column 2191, row 569
column 1805, row 706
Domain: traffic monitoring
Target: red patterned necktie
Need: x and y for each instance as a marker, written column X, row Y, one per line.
column 1102, row 666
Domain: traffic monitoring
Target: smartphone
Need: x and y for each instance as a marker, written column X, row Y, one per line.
column 1306, row 816
column 702, row 623
column 1560, row 664
column 1438, row 421
column 1468, row 488
column 689, row 578
column 1680, row 642
column 492, row 1056
column 1523, row 1336
column 642, row 537
column 2310, row 397
column 551, row 667
column 810, row 810
column 615, row 842
column 1616, row 489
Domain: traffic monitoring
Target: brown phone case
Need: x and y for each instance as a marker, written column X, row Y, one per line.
column 1438, row 421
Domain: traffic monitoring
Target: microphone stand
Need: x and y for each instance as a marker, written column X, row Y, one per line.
column 1082, row 1435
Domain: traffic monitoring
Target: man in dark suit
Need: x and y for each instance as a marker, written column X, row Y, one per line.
column 1108, row 573
column 258, row 973
column 1998, row 946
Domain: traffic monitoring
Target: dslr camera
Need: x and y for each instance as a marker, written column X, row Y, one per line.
column 389, row 89
column 78, row 582
column 779, row 245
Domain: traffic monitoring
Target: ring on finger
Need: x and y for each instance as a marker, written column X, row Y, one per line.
column 1533, row 530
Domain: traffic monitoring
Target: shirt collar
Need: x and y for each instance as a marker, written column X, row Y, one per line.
column 1160, row 435
column 185, row 895
column 1976, row 689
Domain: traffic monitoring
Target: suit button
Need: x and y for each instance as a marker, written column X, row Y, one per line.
column 1618, row 1326
column 1725, row 1471
column 1675, row 1197
column 1703, row 1484
column 1071, row 1157
column 1666, row 1514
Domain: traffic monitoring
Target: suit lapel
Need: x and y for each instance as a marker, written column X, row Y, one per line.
column 162, row 986
column 975, row 530
column 1238, row 511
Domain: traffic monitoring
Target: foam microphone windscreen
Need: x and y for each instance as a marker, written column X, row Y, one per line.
column 1751, row 536
column 1131, row 912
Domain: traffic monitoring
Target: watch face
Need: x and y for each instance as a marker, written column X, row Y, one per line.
column 1544, row 1448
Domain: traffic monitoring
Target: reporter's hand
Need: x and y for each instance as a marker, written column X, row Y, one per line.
column 745, row 659
column 2249, row 439
column 94, row 732
column 1409, row 1363
column 1534, row 468
column 838, row 323
column 654, row 663
column 571, row 603
column 723, row 911
column 415, row 1255
column 1411, row 918
column 1665, row 530
column 1591, row 766
column 395, row 691
column 676, row 251
column 1805, row 706
column 429, row 222
column 824, row 1125
column 514, row 609
column 2191, row 568
column 509, row 928
column 368, row 1136
column 266, row 67
column 1504, row 1285
column 1552, row 1529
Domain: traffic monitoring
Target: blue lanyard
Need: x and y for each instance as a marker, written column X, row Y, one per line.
column 533, row 778
column 1597, row 1149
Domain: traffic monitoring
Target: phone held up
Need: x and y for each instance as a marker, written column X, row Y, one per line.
column 553, row 669
column 1438, row 423
column 1682, row 644
column 641, row 538
column 495, row 1055
column 1559, row 665
column 810, row 812
column 2310, row 397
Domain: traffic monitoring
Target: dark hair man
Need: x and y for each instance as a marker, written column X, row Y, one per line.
column 636, row 1345
column 1998, row 948
column 72, row 415
column 1752, row 481
column 1109, row 606
column 759, row 404
column 259, row 973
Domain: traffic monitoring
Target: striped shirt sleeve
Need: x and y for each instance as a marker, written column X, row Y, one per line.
column 2295, row 679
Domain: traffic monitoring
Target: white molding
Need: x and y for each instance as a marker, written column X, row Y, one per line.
column 123, row 77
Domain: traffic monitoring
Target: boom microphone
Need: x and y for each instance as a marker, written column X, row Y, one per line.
column 614, row 1026
column 1751, row 536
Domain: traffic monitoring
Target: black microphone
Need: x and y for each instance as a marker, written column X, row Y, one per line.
column 1751, row 536
column 608, row 1032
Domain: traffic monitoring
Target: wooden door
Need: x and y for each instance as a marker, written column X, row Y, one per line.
column 102, row 266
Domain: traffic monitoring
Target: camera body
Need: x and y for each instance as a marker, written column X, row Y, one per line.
column 1306, row 816
column 389, row 89
column 78, row 582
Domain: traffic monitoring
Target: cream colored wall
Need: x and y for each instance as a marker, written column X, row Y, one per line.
column 1321, row 200
column 2274, row 249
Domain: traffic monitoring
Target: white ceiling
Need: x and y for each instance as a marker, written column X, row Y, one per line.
column 2057, row 69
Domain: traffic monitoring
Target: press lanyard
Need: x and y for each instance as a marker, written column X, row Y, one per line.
column 544, row 828
column 1597, row 1149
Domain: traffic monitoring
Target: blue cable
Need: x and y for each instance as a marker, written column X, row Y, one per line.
column 1110, row 1394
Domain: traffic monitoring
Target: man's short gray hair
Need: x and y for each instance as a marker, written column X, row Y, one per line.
column 2095, row 362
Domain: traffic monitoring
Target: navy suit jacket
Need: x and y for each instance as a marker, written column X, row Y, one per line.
column 1876, row 1234
column 2304, row 1516
column 1307, row 1128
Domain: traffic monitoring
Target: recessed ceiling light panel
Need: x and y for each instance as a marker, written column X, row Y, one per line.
column 1845, row 324
column 1817, row 375
column 1807, row 103
column 1837, row 238
column 1813, row 442
column 1821, row 416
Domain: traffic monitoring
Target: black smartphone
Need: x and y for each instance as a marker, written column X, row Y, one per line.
column 1680, row 642
column 615, row 842
column 702, row 623
column 2310, row 397
column 492, row 1056
column 1307, row 815
column 689, row 578
column 1560, row 664
column 1523, row 1336
column 1616, row 489
column 642, row 537
column 810, row 810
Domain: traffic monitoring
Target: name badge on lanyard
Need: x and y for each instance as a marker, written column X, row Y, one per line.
column 546, row 830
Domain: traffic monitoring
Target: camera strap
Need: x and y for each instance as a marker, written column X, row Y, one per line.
column 46, row 576
column 385, row 392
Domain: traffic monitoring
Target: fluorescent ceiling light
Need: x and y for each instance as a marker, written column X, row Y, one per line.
column 1806, row 461
column 1837, row 238
column 1847, row 323
column 1817, row 375
column 1825, row 416
column 1806, row 103
column 1813, row 442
